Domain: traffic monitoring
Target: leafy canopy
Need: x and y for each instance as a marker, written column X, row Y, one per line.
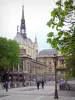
column 70, row 63
column 9, row 53
column 63, row 21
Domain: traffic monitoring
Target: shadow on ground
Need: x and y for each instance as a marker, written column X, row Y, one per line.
column 31, row 89
column 3, row 96
column 65, row 93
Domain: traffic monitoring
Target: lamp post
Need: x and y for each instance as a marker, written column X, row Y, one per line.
column 55, row 64
column 36, row 74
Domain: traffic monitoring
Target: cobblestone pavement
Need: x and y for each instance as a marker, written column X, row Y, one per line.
column 32, row 93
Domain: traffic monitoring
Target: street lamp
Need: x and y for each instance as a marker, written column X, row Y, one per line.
column 55, row 64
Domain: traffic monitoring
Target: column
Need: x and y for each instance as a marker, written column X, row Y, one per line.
column 23, row 65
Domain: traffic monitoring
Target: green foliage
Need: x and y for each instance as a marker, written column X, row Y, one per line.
column 50, row 34
column 63, row 20
column 67, row 76
column 60, row 33
column 70, row 63
column 13, row 52
column 9, row 53
column 60, row 16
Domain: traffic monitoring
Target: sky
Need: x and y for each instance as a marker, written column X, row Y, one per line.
column 37, row 14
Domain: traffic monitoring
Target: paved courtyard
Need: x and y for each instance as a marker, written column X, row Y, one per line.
column 31, row 93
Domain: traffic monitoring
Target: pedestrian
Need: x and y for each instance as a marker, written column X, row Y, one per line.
column 42, row 82
column 6, row 86
column 38, row 83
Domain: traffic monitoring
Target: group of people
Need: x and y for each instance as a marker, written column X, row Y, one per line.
column 40, row 82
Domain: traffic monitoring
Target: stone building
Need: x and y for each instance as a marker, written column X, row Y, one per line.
column 61, row 68
column 33, row 65
column 25, row 43
column 29, row 68
column 47, row 57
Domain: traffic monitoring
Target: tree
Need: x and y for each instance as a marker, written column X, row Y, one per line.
column 63, row 39
column 13, row 52
column 9, row 53
column 63, row 21
column 70, row 63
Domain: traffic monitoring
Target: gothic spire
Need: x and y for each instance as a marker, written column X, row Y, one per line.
column 23, row 12
column 23, row 27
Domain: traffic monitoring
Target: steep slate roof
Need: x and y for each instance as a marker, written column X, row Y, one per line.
column 21, row 37
column 48, row 52
column 21, row 40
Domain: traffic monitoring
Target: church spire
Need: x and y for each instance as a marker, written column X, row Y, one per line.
column 23, row 12
column 23, row 27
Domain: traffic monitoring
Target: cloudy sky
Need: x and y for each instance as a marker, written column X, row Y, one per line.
column 37, row 14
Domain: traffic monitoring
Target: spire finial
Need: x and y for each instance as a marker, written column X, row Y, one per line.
column 22, row 12
column 23, row 27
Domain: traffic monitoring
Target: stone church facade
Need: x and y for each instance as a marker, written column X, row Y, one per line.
column 29, row 68
column 34, row 65
column 25, row 43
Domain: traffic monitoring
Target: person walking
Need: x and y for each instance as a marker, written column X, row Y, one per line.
column 38, row 83
column 6, row 86
column 42, row 82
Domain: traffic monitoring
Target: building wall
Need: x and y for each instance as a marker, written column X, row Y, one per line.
column 32, row 69
column 42, row 68
column 31, row 49
column 49, row 61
